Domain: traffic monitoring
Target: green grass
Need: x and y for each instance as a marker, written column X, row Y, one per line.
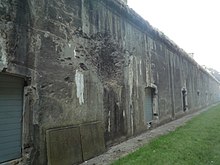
column 196, row 143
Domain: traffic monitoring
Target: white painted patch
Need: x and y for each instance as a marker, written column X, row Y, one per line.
column 74, row 53
column 140, row 67
column 3, row 59
column 46, row 34
column 109, row 121
column 123, row 113
column 3, row 54
column 79, row 79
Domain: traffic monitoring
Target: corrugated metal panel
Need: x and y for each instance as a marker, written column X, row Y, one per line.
column 148, row 105
column 11, row 94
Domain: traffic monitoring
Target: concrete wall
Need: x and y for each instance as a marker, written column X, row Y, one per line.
column 86, row 65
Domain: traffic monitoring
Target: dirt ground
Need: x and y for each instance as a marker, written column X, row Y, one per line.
column 126, row 147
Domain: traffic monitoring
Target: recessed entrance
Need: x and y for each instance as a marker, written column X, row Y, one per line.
column 11, row 103
column 148, row 105
column 184, row 98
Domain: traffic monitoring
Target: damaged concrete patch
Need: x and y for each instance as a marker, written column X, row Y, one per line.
column 107, row 56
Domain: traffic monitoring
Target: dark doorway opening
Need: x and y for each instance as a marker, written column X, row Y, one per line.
column 184, row 98
column 148, row 105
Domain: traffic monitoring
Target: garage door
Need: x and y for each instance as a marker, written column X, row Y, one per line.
column 148, row 105
column 11, row 94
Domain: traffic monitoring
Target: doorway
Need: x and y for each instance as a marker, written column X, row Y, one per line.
column 148, row 105
column 184, row 99
column 11, row 105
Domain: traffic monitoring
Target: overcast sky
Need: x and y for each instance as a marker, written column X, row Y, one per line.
column 193, row 25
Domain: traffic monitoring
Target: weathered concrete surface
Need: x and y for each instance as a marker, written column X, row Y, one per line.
column 89, row 61
column 125, row 1
column 131, row 145
column 64, row 146
column 92, row 140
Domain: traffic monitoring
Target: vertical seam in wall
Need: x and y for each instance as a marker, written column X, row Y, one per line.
column 81, row 144
column 172, row 88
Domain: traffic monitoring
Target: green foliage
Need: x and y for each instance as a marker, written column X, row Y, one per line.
column 196, row 143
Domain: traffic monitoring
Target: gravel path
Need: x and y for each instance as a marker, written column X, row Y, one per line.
column 126, row 147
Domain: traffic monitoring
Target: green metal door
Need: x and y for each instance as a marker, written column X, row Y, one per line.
column 11, row 99
column 148, row 105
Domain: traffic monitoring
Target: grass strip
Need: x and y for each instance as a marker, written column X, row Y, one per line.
column 195, row 143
